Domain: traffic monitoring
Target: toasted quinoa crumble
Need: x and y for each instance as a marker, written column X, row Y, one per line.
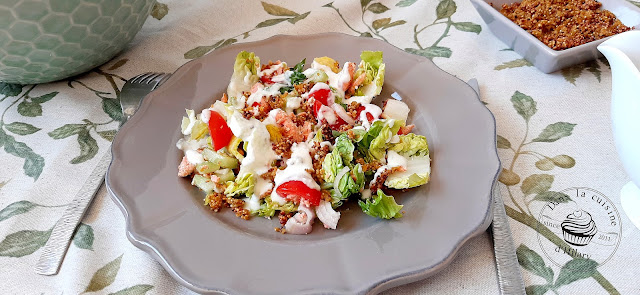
column 327, row 133
column 326, row 195
column 562, row 24
column 352, row 109
column 283, row 217
column 218, row 201
column 373, row 166
column 378, row 182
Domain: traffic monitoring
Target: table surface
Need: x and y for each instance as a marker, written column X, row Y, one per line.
column 554, row 139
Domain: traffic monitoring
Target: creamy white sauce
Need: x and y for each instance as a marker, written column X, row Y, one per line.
column 328, row 114
column 284, row 78
column 342, row 113
column 221, row 108
column 205, row 115
column 310, row 71
column 271, row 117
column 270, row 70
column 238, row 102
column 365, row 99
column 252, row 203
column 186, row 144
column 334, row 78
column 393, row 160
column 297, row 165
column 236, row 87
column 262, row 186
column 273, row 90
column 194, row 157
column 326, row 143
column 192, row 121
column 259, row 155
column 319, row 86
column 343, row 78
column 293, row 103
column 372, row 109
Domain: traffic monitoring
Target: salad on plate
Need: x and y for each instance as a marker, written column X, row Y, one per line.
column 300, row 143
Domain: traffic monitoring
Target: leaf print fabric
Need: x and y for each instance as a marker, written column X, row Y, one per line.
column 553, row 132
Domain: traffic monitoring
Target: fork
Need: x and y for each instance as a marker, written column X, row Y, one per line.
column 56, row 247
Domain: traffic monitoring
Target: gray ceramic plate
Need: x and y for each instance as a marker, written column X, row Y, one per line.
column 209, row 252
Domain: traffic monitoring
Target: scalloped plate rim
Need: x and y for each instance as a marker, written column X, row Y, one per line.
column 146, row 244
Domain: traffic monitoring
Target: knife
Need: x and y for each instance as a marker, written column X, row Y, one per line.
column 509, row 276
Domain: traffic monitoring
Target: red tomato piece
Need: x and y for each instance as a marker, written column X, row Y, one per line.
column 316, row 108
column 339, row 121
column 297, row 191
column 266, row 80
column 220, row 132
column 321, row 95
column 369, row 115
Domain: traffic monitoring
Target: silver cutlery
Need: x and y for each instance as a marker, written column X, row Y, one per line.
column 56, row 247
column 509, row 276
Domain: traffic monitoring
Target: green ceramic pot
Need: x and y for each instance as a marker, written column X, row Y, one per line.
column 48, row 40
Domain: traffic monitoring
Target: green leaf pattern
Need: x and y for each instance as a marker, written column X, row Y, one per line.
column 21, row 122
column 104, row 276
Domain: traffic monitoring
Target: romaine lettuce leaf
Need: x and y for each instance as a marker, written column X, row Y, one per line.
column 199, row 129
column 411, row 145
column 344, row 147
column 373, row 67
column 381, row 206
column 379, row 145
column 245, row 74
column 418, row 173
column 331, row 166
column 242, row 185
column 268, row 208
column 347, row 185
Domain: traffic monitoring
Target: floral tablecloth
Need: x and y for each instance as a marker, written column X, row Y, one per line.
column 554, row 142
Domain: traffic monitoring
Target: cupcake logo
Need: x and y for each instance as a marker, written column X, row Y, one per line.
column 587, row 222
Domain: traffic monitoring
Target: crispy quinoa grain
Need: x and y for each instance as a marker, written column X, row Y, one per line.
column 283, row 148
column 352, row 109
column 326, row 195
column 270, row 175
column 316, row 176
column 327, row 133
column 562, row 24
column 216, row 201
column 237, row 205
column 303, row 88
column 284, row 216
column 318, row 152
column 373, row 166
column 378, row 182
